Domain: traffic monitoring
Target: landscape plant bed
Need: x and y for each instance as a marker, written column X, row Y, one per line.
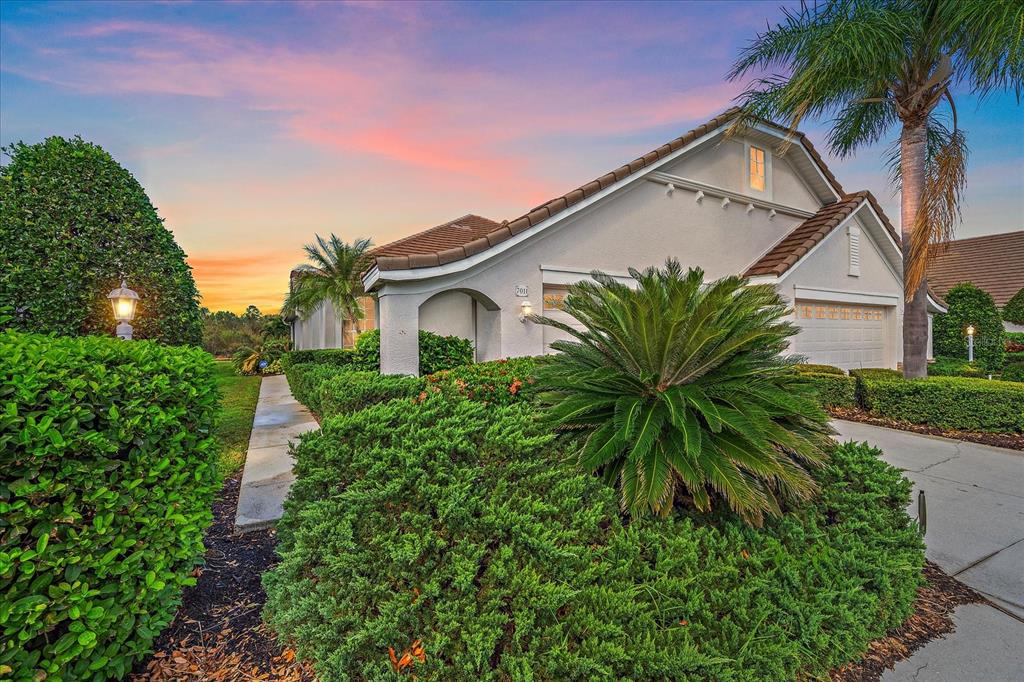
column 217, row 633
column 931, row 619
column 1013, row 441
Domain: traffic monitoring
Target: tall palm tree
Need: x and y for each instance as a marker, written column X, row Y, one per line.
column 332, row 275
column 873, row 64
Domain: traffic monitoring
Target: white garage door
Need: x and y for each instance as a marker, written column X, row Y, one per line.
column 844, row 335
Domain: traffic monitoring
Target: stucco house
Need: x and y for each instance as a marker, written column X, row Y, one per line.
column 993, row 262
column 762, row 203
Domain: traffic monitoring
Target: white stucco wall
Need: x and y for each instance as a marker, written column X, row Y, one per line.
column 449, row 313
column 320, row 329
column 639, row 226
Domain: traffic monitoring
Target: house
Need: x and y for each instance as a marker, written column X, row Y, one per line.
column 993, row 262
column 762, row 203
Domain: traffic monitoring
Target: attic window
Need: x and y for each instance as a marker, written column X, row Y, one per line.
column 757, row 169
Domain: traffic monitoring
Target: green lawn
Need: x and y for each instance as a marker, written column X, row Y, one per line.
column 238, row 403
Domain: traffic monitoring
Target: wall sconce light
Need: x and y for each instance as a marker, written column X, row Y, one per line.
column 525, row 310
column 123, row 300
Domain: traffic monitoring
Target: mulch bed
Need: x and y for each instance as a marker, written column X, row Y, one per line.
column 1013, row 441
column 218, row 634
column 931, row 620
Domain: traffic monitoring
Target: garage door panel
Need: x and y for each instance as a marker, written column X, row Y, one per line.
column 844, row 335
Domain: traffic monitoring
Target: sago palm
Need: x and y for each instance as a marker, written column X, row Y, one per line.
column 873, row 64
column 332, row 276
column 684, row 390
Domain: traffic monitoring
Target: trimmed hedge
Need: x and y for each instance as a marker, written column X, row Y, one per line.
column 954, row 367
column 1013, row 371
column 107, row 476
column 437, row 353
column 969, row 305
column 834, row 390
column 1013, row 312
column 946, row 402
column 305, row 380
column 500, row 382
column 461, row 528
column 353, row 391
column 808, row 368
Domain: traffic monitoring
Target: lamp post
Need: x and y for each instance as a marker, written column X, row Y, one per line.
column 970, row 343
column 123, row 300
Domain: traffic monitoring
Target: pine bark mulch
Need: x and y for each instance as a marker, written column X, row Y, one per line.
column 931, row 619
column 218, row 634
column 1013, row 441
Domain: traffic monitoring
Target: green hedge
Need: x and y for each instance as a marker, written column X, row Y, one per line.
column 107, row 475
column 947, row 402
column 1013, row 371
column 462, row 527
column 954, row 367
column 834, row 390
column 437, row 353
column 499, row 382
column 305, row 380
column 808, row 368
column 969, row 305
column 353, row 391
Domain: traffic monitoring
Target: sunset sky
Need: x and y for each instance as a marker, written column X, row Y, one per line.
column 254, row 126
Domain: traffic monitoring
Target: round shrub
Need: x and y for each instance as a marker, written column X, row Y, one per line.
column 452, row 540
column 107, row 475
column 73, row 223
column 1013, row 311
column 969, row 305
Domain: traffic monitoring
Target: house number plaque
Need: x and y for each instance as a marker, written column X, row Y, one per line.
column 522, row 291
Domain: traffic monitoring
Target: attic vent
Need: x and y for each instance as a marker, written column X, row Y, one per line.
column 854, row 233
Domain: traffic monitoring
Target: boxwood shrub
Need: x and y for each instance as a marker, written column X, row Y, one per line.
column 107, row 475
column 834, row 390
column 809, row 368
column 947, row 402
column 451, row 540
column 306, row 378
column 954, row 367
column 1013, row 371
column 353, row 391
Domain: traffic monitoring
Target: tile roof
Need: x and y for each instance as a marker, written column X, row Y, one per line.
column 810, row 232
column 994, row 262
column 443, row 244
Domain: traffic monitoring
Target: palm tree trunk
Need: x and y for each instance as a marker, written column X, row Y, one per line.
column 913, row 147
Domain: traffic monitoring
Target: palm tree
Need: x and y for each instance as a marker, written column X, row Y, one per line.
column 680, row 391
column 332, row 275
column 870, row 64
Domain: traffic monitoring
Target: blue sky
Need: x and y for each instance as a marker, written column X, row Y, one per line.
column 254, row 126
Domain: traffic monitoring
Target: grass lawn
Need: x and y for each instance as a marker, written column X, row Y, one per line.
column 238, row 403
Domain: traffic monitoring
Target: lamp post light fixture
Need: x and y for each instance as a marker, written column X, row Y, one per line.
column 970, row 343
column 123, row 300
column 525, row 310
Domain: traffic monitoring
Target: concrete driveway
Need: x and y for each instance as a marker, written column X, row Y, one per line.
column 975, row 496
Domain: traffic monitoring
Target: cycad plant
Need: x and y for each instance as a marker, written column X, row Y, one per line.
column 332, row 275
column 684, row 392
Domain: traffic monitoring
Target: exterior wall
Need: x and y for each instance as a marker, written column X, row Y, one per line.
column 449, row 314
column 639, row 226
column 826, row 268
column 724, row 165
column 324, row 329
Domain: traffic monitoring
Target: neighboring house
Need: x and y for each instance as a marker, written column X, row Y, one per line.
column 993, row 262
column 324, row 328
column 762, row 204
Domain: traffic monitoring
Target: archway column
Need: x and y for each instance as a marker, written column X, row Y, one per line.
column 399, row 334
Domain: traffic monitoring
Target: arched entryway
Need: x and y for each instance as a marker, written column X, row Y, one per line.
column 466, row 313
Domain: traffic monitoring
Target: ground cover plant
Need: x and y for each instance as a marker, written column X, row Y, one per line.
column 107, row 473
column 454, row 540
column 352, row 391
column 238, row 396
column 73, row 223
column 682, row 389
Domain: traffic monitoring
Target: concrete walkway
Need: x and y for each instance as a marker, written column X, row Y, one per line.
column 268, row 464
column 975, row 497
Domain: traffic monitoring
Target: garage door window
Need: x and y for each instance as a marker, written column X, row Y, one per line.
column 833, row 312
